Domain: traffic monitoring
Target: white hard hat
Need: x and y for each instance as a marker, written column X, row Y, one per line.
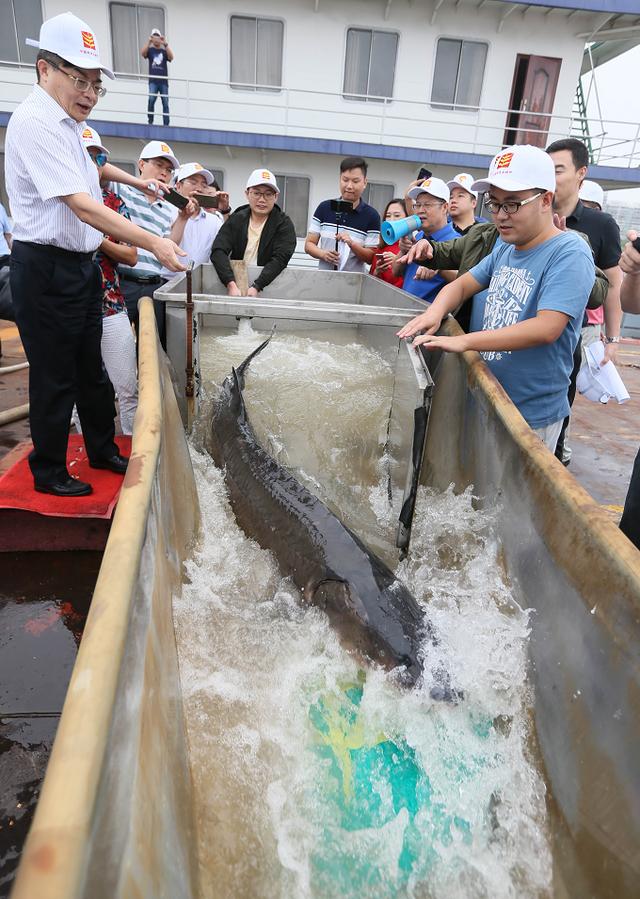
column 463, row 180
column 522, row 167
column 91, row 138
column 188, row 169
column 157, row 148
column 592, row 192
column 69, row 37
column 262, row 176
column 435, row 187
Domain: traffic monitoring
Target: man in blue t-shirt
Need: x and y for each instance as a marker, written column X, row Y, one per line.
column 159, row 54
column 431, row 205
column 529, row 295
column 345, row 241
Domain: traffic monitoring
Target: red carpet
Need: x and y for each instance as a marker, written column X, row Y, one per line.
column 17, row 492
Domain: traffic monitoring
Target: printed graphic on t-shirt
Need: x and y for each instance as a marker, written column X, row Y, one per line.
column 157, row 60
column 509, row 290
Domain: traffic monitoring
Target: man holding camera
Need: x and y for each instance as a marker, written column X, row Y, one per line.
column 344, row 234
column 159, row 54
column 193, row 230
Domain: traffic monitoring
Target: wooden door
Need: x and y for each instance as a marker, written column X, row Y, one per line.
column 532, row 96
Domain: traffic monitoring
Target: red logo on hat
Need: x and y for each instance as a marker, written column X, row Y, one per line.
column 266, row 174
column 504, row 161
column 88, row 40
column 87, row 133
column 165, row 148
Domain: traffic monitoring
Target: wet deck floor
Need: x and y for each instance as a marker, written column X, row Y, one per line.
column 43, row 610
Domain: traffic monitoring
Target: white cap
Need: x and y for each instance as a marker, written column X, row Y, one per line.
column 187, row 169
column 155, row 31
column 262, row 176
column 435, row 187
column 91, row 138
column 69, row 37
column 592, row 192
column 157, row 148
column 522, row 167
column 463, row 180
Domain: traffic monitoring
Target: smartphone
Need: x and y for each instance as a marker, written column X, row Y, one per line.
column 176, row 199
column 206, row 201
column 341, row 206
column 636, row 244
column 424, row 173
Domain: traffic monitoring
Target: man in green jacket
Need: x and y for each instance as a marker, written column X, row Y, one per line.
column 259, row 233
column 466, row 251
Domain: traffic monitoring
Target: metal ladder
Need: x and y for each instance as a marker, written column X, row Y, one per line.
column 579, row 123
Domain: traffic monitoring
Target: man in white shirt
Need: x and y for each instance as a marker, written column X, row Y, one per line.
column 193, row 229
column 60, row 220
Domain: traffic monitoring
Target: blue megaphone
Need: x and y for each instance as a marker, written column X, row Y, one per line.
column 393, row 231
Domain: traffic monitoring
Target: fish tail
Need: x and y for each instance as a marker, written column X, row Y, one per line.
column 241, row 369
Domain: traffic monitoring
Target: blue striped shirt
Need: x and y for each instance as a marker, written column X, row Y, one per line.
column 156, row 217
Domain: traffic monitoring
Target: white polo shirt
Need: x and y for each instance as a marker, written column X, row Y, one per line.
column 44, row 161
column 198, row 237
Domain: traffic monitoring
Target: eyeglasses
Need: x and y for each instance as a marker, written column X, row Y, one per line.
column 81, row 84
column 510, row 207
column 426, row 205
column 100, row 159
column 264, row 194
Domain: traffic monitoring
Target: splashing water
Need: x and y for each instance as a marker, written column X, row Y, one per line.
column 314, row 777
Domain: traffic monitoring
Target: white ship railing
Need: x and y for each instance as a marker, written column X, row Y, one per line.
column 298, row 112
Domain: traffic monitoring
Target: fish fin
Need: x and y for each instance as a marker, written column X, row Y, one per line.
column 239, row 372
column 330, row 592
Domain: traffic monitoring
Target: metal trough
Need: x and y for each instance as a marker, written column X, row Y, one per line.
column 564, row 556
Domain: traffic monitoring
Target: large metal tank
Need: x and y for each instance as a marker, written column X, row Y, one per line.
column 564, row 556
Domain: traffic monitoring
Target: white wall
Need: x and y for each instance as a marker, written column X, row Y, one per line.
column 314, row 46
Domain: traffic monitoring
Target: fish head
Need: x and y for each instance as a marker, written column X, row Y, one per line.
column 364, row 626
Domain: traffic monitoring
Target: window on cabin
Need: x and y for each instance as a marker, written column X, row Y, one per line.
column 370, row 64
column 378, row 195
column 19, row 19
column 458, row 75
column 131, row 25
column 256, row 53
column 294, row 200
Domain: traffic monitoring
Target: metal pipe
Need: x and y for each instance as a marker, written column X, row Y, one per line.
column 8, row 369
column 14, row 414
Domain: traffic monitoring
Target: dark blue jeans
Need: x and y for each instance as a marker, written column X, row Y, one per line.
column 158, row 86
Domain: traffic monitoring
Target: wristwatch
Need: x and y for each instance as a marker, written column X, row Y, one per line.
column 225, row 211
column 612, row 340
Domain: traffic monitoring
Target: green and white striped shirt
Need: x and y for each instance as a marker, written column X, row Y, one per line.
column 156, row 217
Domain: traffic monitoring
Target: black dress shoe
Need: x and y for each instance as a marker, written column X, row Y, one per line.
column 66, row 487
column 116, row 463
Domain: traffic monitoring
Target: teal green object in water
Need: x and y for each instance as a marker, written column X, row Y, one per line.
column 371, row 786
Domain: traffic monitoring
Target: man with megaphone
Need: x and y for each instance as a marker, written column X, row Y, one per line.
column 431, row 207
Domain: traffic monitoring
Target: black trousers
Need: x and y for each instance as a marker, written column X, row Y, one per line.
column 630, row 521
column 58, row 308
column 135, row 290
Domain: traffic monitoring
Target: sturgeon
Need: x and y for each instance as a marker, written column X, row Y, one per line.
column 368, row 606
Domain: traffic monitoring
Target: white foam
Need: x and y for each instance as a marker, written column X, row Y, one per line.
column 255, row 662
